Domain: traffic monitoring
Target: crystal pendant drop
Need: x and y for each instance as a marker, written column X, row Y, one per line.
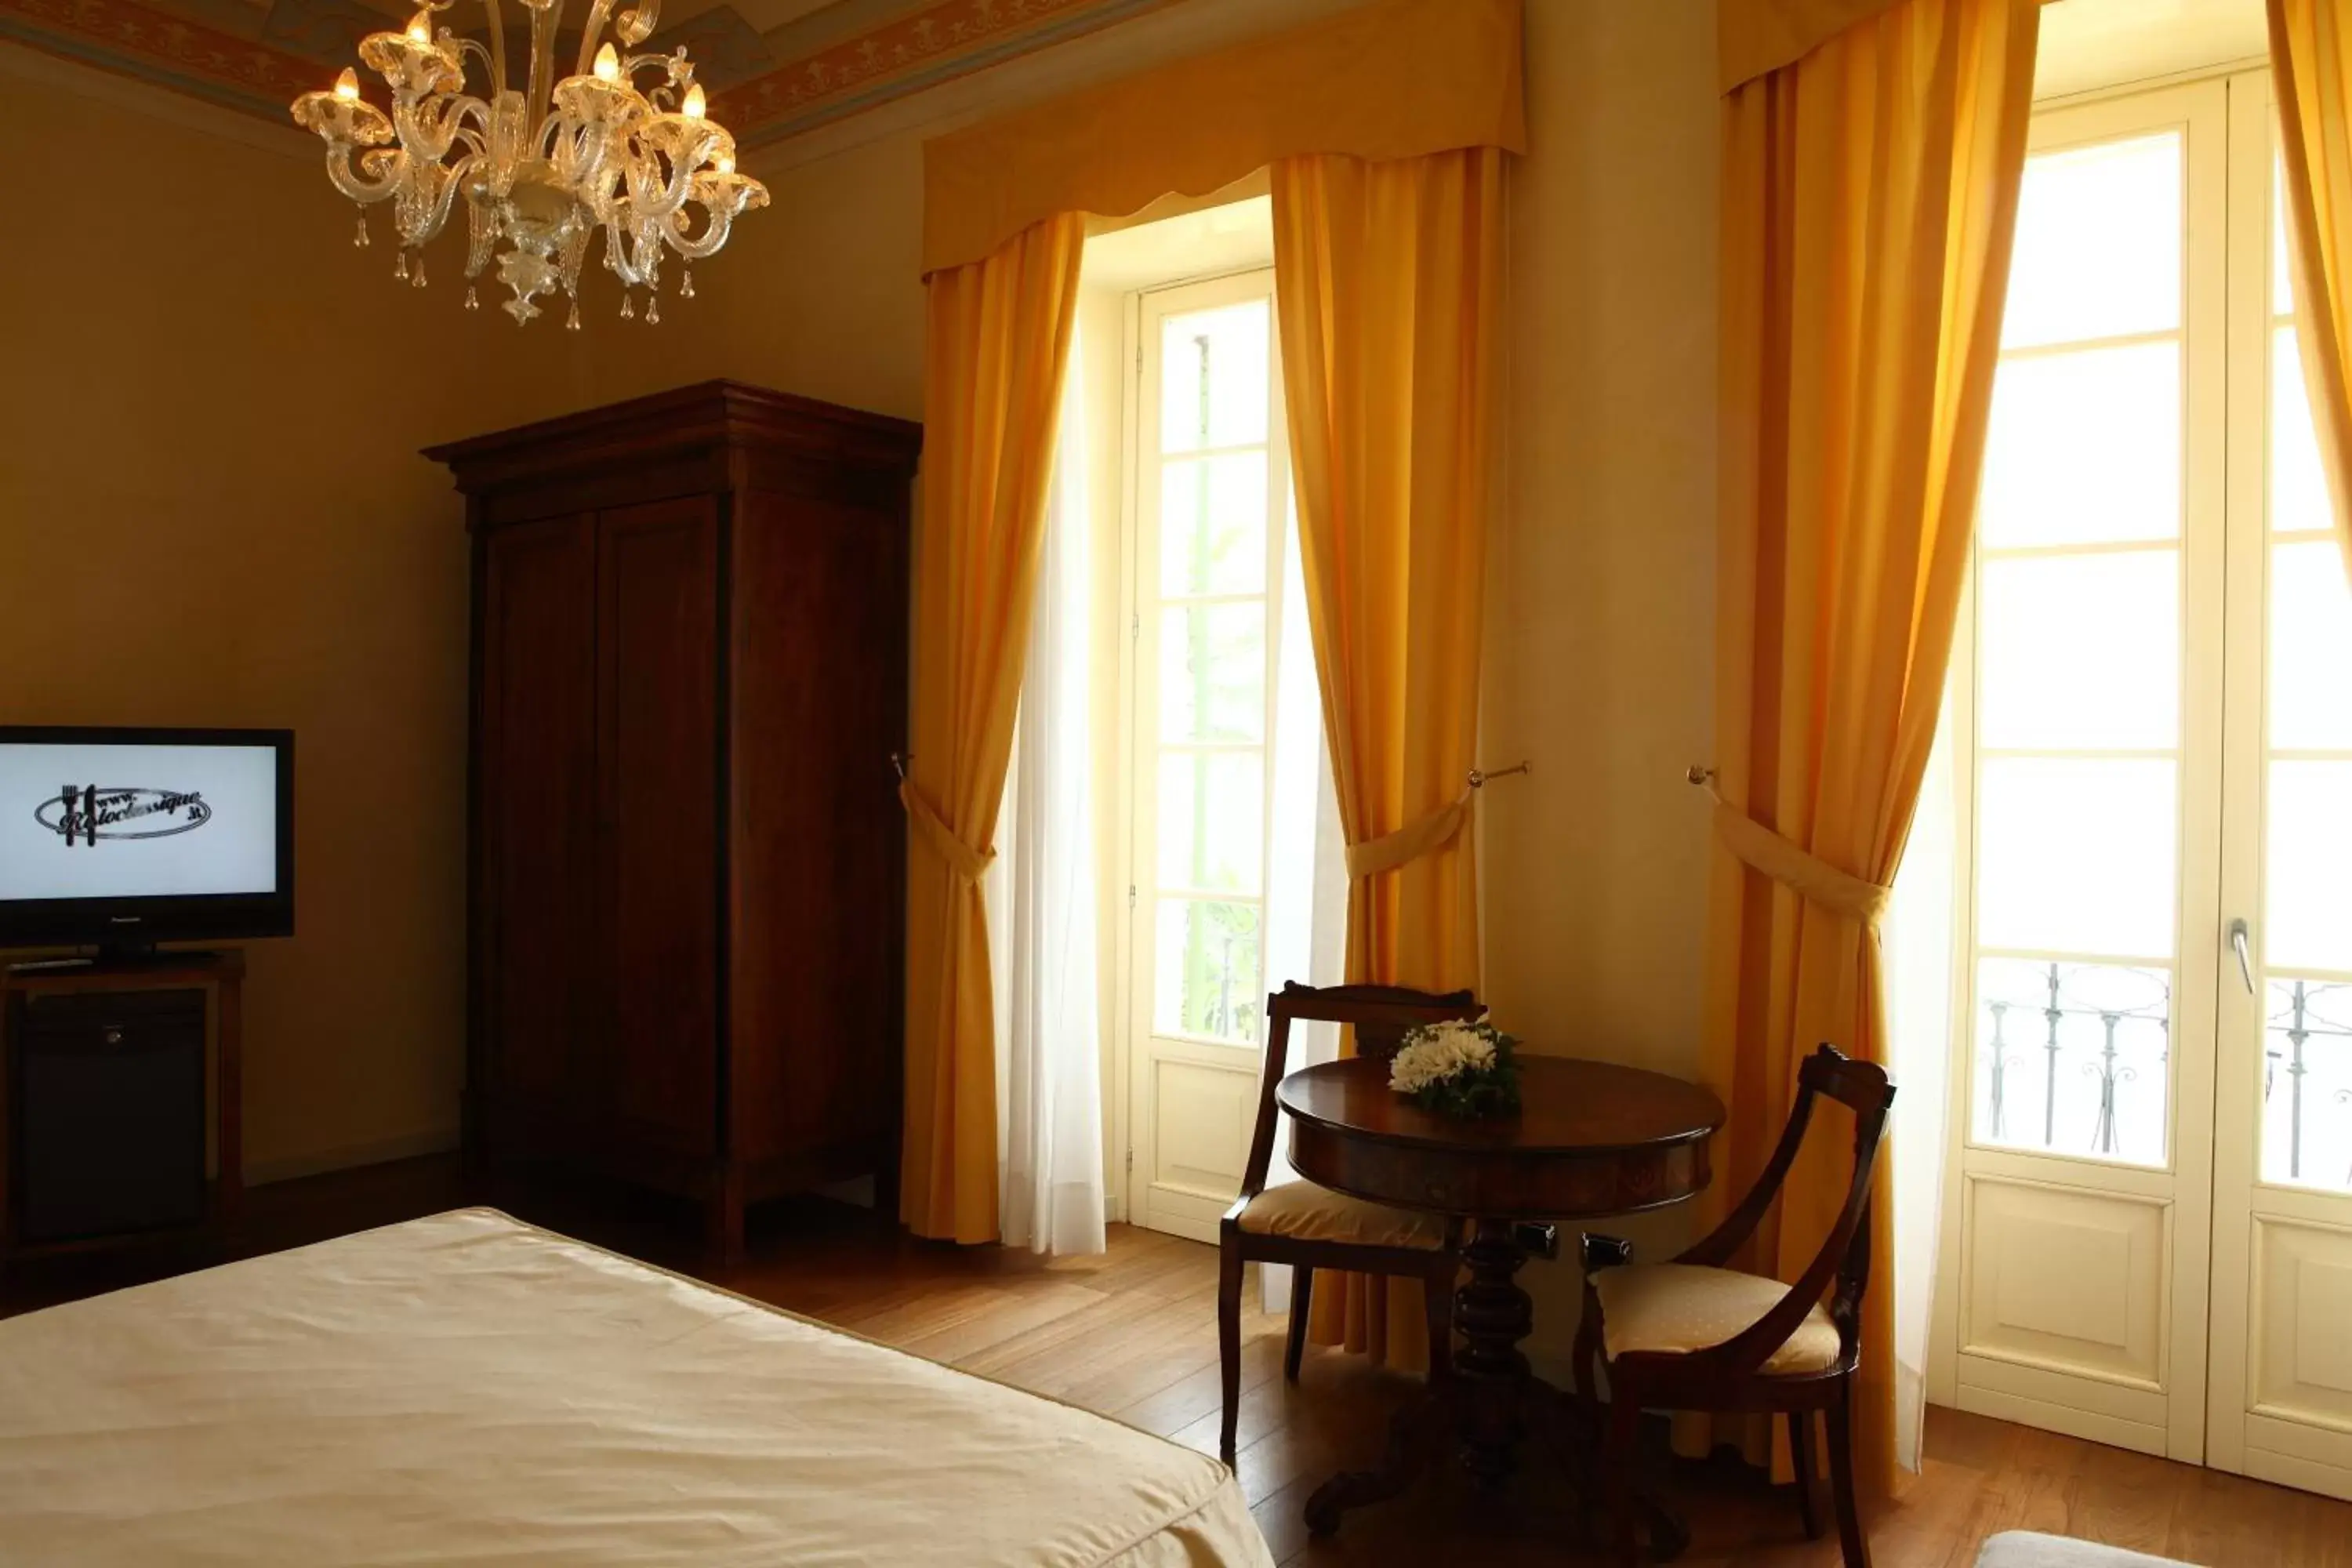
column 652, row 309
column 400, row 265
column 360, row 239
column 471, row 303
column 628, row 308
column 573, row 323
column 417, row 274
column 686, row 284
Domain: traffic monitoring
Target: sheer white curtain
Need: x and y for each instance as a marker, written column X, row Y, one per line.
column 1306, row 874
column 1040, row 894
column 1918, row 934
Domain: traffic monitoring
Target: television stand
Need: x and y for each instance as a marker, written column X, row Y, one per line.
column 122, row 1121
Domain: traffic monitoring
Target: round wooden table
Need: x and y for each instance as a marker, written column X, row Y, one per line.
column 1590, row 1139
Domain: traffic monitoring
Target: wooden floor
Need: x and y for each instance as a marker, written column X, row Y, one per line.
column 1132, row 1334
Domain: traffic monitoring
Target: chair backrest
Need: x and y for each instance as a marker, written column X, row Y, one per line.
column 1381, row 1015
column 1863, row 1089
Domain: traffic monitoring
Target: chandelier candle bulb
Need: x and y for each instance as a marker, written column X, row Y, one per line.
column 541, row 161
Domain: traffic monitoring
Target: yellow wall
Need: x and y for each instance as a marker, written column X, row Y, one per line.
column 210, row 477
column 212, row 513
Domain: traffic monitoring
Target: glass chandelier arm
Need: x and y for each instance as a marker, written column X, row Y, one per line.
column 590, row 32
column 490, row 70
column 637, row 23
column 721, row 197
column 543, row 16
column 429, row 126
column 390, row 164
column 497, row 50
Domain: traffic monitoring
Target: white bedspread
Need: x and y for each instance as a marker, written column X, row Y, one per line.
column 467, row 1389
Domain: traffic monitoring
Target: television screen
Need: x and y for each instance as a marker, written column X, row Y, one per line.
column 144, row 832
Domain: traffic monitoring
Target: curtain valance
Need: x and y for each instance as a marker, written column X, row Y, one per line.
column 1394, row 80
column 1752, row 37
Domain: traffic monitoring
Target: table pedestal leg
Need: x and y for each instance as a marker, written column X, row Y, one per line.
column 1494, row 1314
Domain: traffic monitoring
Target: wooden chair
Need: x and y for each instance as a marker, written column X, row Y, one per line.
column 1312, row 1227
column 1661, row 1328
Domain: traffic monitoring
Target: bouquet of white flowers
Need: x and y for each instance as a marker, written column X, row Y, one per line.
column 1458, row 1069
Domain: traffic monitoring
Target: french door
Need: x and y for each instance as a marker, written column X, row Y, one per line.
column 1218, row 737
column 2281, row 1380
column 2151, row 1198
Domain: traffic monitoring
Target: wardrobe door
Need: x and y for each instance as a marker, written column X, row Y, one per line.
column 659, row 783
column 534, row 827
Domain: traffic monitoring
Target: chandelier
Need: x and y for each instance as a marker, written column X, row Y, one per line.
column 541, row 170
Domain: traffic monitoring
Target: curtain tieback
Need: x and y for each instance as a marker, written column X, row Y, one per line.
column 1426, row 834
column 966, row 862
column 1795, row 867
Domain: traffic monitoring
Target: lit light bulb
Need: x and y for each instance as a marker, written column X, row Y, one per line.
column 724, row 162
column 420, row 28
column 693, row 105
column 347, row 86
column 608, row 65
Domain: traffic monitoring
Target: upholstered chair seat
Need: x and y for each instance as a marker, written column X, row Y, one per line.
column 1673, row 1309
column 1305, row 1211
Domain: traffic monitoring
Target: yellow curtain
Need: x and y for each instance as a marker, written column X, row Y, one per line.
column 2311, row 63
column 1389, row 280
column 999, row 340
column 1869, row 199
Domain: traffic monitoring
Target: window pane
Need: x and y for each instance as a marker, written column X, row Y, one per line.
column 2073, row 1057
column 1207, row 965
column 2081, row 650
column 2298, row 486
column 2098, row 244
column 2307, row 1085
column 1212, row 820
column 2310, row 873
column 2077, row 854
column 1212, row 672
column 2084, row 448
column 1213, row 378
column 1212, row 525
column 2311, row 647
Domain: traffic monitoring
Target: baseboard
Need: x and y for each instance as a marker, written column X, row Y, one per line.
column 293, row 1167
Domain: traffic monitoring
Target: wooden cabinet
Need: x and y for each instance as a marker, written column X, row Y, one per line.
column 688, row 869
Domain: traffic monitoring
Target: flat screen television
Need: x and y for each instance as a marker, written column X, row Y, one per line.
column 125, row 837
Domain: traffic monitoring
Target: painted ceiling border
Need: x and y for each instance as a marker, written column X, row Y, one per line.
column 896, row 57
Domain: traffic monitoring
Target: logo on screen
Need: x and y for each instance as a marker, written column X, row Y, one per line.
column 84, row 814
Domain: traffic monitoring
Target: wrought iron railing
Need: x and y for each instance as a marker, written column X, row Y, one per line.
column 2299, row 1022
column 2116, row 998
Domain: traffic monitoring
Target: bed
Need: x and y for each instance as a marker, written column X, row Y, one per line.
column 468, row 1389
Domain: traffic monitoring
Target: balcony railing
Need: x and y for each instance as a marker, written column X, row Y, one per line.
column 2074, row 1037
column 2297, row 1020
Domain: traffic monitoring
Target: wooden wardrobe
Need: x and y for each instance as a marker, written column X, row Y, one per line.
column 687, row 853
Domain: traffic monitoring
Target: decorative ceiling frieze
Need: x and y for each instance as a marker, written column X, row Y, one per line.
column 817, row 65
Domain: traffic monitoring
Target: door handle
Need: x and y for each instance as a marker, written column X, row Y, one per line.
column 2238, row 944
